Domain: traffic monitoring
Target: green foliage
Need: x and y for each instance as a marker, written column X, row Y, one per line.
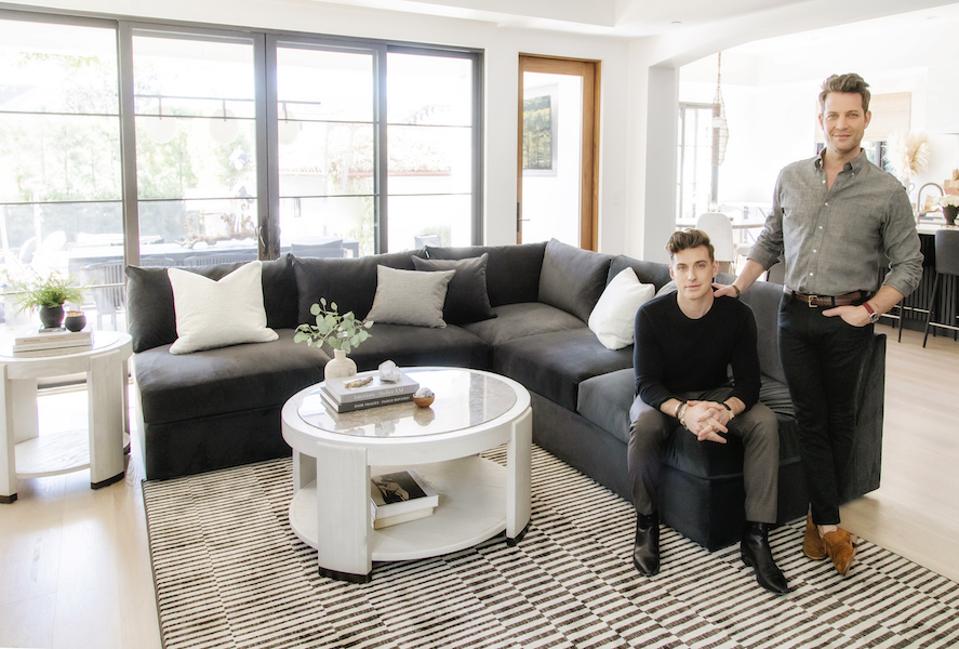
column 53, row 290
column 342, row 332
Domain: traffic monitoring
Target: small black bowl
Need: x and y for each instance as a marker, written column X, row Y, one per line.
column 75, row 322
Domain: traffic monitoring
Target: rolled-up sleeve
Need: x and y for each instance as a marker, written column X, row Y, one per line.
column 769, row 244
column 900, row 243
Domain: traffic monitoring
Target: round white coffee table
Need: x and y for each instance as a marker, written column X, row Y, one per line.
column 335, row 454
column 25, row 453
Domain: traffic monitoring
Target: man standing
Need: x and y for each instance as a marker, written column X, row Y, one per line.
column 834, row 217
column 685, row 341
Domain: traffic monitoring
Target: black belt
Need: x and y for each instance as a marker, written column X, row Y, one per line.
column 815, row 301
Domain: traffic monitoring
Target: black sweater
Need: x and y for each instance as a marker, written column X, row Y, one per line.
column 674, row 353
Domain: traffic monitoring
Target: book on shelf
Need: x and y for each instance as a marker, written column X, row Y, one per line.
column 362, row 405
column 50, row 351
column 339, row 391
column 57, row 339
column 399, row 497
column 380, row 523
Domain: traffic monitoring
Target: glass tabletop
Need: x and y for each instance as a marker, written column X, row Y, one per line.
column 464, row 399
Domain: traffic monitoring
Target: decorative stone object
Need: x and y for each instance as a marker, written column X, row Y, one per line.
column 389, row 372
column 424, row 397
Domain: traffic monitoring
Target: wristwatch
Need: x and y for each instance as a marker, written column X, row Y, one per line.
column 873, row 316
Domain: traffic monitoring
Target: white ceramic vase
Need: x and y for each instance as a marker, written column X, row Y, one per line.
column 340, row 366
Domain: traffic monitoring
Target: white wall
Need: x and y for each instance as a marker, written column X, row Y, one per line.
column 770, row 91
column 501, row 46
column 652, row 191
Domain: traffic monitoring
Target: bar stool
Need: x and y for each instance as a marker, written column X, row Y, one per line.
column 947, row 264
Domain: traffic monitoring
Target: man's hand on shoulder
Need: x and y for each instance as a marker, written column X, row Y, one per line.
column 856, row 316
column 704, row 419
column 719, row 290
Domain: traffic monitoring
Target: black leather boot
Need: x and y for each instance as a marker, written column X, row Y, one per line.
column 646, row 545
column 755, row 551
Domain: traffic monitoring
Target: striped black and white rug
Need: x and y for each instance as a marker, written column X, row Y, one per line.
column 230, row 573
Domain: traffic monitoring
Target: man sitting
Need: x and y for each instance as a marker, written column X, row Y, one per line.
column 685, row 340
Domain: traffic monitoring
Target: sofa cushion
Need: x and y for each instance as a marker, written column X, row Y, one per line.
column 151, row 319
column 410, row 297
column 467, row 299
column 523, row 319
column 351, row 283
column 512, row 274
column 220, row 381
column 605, row 400
column 648, row 272
column 553, row 364
column 763, row 298
column 572, row 278
column 406, row 345
column 614, row 316
column 211, row 314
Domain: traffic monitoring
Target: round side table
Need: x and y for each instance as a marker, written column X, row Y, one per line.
column 24, row 453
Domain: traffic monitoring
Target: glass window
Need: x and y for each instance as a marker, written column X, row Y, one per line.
column 325, row 132
column 429, row 132
column 60, row 191
column 195, row 114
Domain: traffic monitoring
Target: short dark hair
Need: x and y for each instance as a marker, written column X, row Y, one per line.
column 689, row 238
column 849, row 82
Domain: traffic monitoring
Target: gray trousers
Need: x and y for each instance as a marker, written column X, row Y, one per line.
column 757, row 428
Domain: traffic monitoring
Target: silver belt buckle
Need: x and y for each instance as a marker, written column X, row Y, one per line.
column 811, row 302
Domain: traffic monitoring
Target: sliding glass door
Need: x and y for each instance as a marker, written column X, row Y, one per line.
column 326, row 133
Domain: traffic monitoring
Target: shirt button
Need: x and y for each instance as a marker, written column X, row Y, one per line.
column 827, row 203
column 820, row 227
column 814, row 250
column 811, row 274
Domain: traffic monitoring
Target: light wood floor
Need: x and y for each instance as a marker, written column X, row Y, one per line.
column 74, row 568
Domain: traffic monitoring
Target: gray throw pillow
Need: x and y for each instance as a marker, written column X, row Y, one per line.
column 466, row 299
column 572, row 278
column 410, row 297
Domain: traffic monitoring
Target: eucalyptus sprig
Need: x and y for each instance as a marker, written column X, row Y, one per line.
column 342, row 332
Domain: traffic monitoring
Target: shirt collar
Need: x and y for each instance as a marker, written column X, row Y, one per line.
column 855, row 165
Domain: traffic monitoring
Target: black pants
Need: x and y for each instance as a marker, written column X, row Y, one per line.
column 822, row 358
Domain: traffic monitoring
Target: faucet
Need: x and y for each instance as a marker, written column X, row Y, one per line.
column 919, row 211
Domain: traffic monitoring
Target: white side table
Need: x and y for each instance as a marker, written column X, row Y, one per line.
column 24, row 453
column 335, row 454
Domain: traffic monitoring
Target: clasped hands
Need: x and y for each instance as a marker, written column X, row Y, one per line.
column 706, row 419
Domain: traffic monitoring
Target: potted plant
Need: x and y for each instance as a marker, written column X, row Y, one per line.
column 342, row 332
column 950, row 207
column 48, row 295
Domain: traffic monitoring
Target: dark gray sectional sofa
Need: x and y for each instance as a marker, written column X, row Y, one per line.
column 221, row 408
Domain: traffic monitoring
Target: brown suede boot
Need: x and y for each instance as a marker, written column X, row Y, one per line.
column 840, row 549
column 812, row 545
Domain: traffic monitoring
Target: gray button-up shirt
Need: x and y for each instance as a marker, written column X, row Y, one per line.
column 834, row 240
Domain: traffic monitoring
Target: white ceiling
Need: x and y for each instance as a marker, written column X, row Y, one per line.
column 625, row 18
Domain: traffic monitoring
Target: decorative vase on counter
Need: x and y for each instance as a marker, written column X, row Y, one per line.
column 75, row 321
column 950, row 212
column 51, row 317
column 341, row 366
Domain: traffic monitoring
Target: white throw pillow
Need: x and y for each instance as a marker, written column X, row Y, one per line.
column 410, row 297
column 613, row 317
column 213, row 314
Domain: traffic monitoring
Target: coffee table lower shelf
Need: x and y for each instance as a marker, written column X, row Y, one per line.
column 472, row 508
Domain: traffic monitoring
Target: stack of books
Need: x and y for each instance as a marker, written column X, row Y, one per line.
column 400, row 497
column 366, row 390
column 52, row 343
